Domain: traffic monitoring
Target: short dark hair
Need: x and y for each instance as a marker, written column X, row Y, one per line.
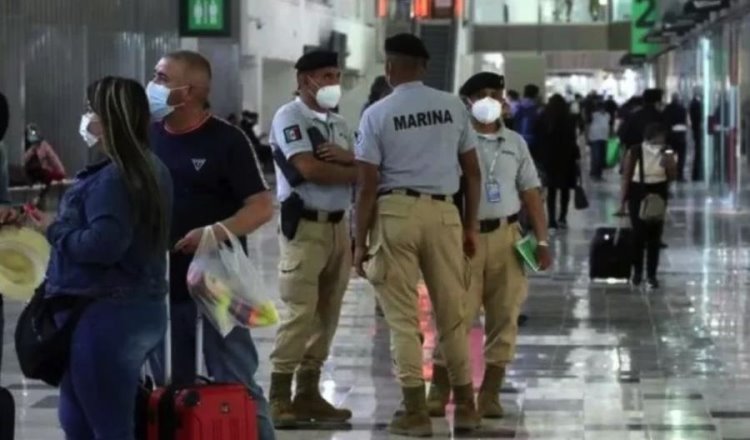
column 654, row 130
column 193, row 60
column 513, row 94
column 531, row 91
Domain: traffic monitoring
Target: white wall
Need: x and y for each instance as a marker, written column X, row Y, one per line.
column 279, row 83
column 274, row 33
column 525, row 68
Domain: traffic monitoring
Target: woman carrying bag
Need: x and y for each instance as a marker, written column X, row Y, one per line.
column 648, row 170
column 109, row 241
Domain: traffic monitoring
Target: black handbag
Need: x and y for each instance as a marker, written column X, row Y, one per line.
column 43, row 347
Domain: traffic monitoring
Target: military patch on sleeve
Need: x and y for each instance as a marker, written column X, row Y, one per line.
column 292, row 134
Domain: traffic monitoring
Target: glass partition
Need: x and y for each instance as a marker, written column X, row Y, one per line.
column 573, row 11
column 621, row 10
column 546, row 11
column 506, row 11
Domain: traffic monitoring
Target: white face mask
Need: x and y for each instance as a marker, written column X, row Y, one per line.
column 328, row 97
column 487, row 110
column 83, row 129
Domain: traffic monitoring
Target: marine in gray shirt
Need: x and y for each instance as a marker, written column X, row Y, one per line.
column 412, row 148
column 498, row 279
column 414, row 136
column 314, row 265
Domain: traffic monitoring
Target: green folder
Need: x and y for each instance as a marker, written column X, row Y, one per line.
column 526, row 248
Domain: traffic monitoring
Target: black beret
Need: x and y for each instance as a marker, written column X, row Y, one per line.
column 406, row 44
column 317, row 59
column 482, row 80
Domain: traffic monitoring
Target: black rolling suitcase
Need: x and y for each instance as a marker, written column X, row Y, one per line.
column 7, row 415
column 611, row 253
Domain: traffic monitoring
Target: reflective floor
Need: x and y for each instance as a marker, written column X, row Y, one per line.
column 594, row 362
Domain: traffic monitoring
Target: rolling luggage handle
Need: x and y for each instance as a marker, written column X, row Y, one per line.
column 199, row 364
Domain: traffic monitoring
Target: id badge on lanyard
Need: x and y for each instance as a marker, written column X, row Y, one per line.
column 492, row 186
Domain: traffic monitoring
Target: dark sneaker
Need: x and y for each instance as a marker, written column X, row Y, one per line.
column 637, row 280
column 653, row 283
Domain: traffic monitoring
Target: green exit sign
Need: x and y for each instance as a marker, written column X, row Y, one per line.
column 205, row 18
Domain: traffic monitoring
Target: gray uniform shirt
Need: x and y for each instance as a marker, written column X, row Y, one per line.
column 414, row 136
column 289, row 133
column 513, row 172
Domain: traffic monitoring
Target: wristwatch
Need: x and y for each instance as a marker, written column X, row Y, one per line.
column 543, row 243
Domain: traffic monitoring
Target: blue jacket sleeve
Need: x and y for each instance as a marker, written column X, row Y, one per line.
column 108, row 231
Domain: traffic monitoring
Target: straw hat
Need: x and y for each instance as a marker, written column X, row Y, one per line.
column 24, row 254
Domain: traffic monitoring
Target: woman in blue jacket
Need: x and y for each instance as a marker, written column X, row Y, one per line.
column 109, row 243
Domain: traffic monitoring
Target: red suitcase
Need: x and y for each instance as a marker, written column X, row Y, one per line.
column 203, row 411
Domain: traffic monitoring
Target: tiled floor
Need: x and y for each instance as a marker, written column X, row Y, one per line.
column 597, row 362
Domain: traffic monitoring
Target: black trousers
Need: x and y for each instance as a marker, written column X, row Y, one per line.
column 647, row 236
column 681, row 149
column 698, row 157
column 552, row 192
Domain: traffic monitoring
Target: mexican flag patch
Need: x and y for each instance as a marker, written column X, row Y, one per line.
column 292, row 134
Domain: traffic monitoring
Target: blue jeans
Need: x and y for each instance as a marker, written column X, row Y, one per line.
column 110, row 345
column 598, row 158
column 233, row 359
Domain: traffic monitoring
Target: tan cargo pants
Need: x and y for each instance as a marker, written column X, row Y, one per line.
column 314, row 272
column 499, row 283
column 412, row 234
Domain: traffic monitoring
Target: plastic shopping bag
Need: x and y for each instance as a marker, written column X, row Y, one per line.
column 613, row 152
column 227, row 286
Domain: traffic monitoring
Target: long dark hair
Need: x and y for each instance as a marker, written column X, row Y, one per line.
column 123, row 110
column 557, row 113
column 378, row 89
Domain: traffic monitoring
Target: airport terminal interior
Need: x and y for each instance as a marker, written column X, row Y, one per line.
column 599, row 356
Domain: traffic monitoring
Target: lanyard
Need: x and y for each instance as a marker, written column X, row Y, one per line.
column 493, row 164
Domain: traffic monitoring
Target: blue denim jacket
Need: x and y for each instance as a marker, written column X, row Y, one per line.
column 97, row 249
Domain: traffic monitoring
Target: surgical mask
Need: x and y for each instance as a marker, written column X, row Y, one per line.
column 83, row 129
column 486, row 110
column 328, row 97
column 158, row 98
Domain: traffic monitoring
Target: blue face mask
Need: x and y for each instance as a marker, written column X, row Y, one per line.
column 158, row 97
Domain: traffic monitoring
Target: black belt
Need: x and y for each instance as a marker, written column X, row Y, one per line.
column 486, row 226
column 322, row 216
column 417, row 194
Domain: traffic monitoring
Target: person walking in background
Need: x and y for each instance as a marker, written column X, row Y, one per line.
column 526, row 117
column 378, row 90
column 676, row 120
column 598, row 134
column 648, row 170
column 556, row 137
column 635, row 125
column 696, row 126
column 610, row 105
column 513, row 102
